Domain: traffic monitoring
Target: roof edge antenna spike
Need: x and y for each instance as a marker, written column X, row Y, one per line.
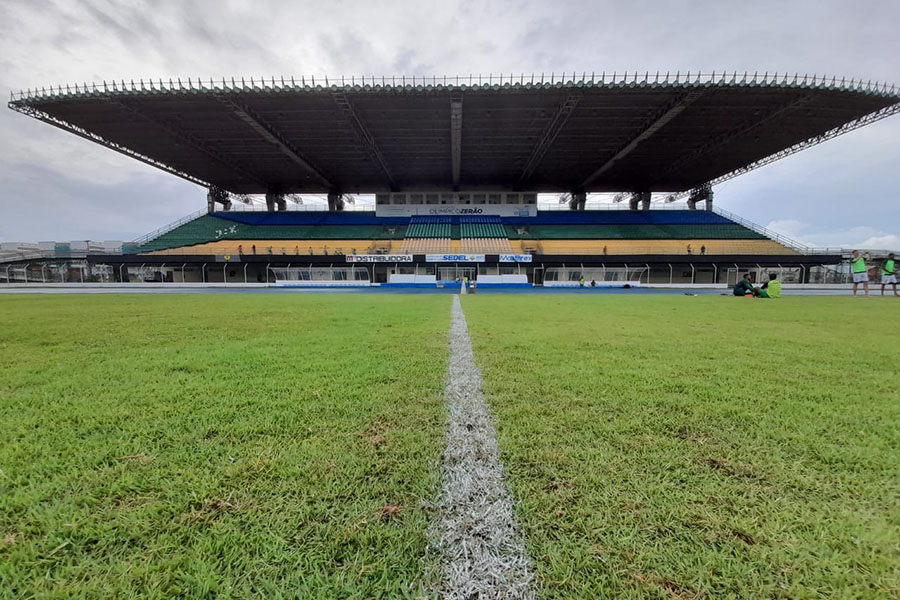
column 657, row 78
column 646, row 76
column 677, row 76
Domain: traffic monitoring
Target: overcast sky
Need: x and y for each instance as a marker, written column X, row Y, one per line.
column 56, row 186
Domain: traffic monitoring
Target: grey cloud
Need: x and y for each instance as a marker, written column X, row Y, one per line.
column 55, row 185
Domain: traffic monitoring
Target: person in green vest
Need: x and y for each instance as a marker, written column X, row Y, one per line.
column 860, row 273
column 771, row 288
column 888, row 274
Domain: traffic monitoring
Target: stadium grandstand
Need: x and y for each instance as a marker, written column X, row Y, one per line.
column 456, row 167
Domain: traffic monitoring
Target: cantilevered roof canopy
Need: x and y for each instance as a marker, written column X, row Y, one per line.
column 609, row 133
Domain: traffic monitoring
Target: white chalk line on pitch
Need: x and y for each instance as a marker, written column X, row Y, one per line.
column 476, row 534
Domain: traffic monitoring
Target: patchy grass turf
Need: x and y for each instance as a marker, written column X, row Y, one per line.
column 219, row 446
column 687, row 447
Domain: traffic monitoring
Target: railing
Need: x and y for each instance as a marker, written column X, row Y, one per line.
column 415, row 82
column 781, row 239
column 167, row 228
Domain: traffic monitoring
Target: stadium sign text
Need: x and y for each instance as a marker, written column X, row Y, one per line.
column 379, row 258
column 454, row 258
column 500, row 210
column 520, row 258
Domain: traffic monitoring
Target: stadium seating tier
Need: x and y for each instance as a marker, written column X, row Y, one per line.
column 550, row 232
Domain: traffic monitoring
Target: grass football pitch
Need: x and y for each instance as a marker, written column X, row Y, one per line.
column 289, row 446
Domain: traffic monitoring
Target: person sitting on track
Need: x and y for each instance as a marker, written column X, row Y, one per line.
column 744, row 287
column 771, row 288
